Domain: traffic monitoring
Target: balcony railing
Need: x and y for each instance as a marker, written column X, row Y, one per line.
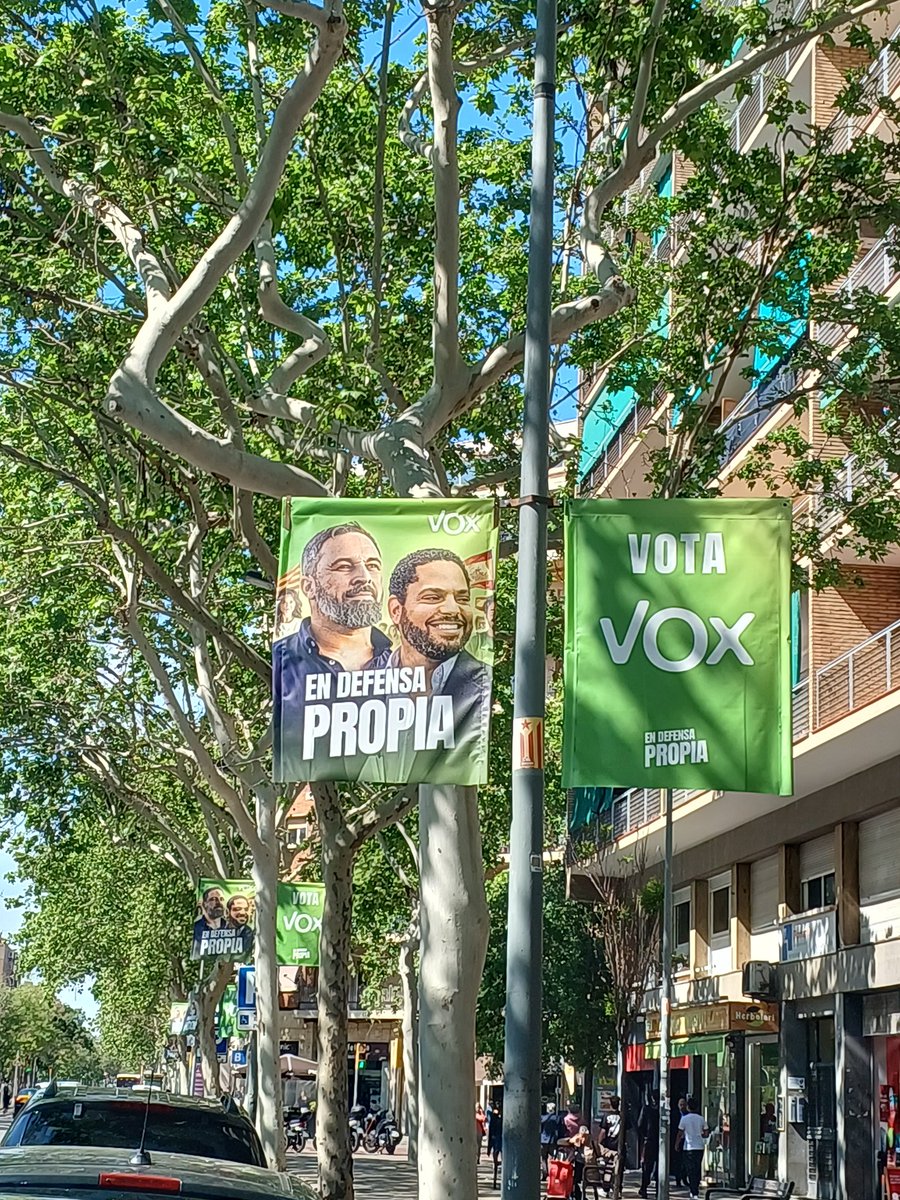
column 756, row 407
column 800, row 710
column 876, row 271
column 859, row 676
column 881, row 80
column 634, row 422
column 853, row 482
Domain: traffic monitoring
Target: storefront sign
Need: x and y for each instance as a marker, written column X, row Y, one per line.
column 809, row 937
column 384, row 641
column 677, row 646
column 717, row 1018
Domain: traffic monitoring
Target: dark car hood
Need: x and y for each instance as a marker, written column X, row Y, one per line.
column 82, row 1164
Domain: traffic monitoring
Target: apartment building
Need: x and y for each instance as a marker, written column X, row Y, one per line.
column 786, row 1013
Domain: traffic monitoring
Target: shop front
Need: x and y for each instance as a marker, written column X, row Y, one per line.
column 731, row 1047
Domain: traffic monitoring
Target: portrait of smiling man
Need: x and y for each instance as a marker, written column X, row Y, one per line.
column 430, row 604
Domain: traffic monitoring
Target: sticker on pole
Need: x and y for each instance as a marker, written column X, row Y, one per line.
column 528, row 744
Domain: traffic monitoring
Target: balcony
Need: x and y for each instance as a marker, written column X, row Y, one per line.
column 854, row 484
column 881, row 81
column 756, row 408
column 875, row 272
column 854, row 679
column 635, row 421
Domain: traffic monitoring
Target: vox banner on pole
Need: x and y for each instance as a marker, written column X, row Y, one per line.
column 677, row 649
column 383, row 646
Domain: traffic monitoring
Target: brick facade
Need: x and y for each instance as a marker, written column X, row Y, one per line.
column 830, row 65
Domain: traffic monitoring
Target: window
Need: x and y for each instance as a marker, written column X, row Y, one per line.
column 818, row 892
column 720, row 911
column 683, row 928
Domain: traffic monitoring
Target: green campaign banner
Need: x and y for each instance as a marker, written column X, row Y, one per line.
column 677, row 644
column 226, row 913
column 384, row 640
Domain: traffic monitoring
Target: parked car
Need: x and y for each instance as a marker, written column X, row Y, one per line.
column 96, row 1173
column 23, row 1095
column 114, row 1119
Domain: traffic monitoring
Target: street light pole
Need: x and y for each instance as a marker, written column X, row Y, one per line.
column 665, row 1009
column 521, row 1178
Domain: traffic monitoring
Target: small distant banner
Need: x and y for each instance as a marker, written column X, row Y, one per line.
column 677, row 645
column 225, row 923
column 384, row 641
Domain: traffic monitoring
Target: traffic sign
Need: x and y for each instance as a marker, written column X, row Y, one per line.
column 246, row 989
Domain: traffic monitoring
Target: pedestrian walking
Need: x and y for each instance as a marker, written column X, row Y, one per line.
column 495, row 1137
column 648, row 1140
column 480, row 1127
column 692, row 1132
column 676, row 1165
column 552, row 1129
column 572, row 1120
column 7, row 1096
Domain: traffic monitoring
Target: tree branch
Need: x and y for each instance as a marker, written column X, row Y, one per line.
column 644, row 76
column 119, row 224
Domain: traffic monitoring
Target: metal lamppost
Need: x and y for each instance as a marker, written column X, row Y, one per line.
column 522, row 1062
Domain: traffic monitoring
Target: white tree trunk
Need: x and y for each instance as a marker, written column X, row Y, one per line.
column 332, row 1099
column 208, row 995
column 269, row 1107
column 410, row 1033
column 454, row 925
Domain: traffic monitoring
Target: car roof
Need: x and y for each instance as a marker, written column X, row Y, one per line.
column 130, row 1096
column 74, row 1167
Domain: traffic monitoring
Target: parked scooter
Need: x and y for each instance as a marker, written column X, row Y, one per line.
column 381, row 1132
column 358, row 1117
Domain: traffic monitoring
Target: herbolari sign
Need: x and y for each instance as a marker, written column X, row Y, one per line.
column 383, row 646
column 677, row 665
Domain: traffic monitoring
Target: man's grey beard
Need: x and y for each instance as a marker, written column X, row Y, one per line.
column 352, row 614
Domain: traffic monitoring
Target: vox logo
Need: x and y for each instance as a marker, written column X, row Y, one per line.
column 453, row 523
column 728, row 638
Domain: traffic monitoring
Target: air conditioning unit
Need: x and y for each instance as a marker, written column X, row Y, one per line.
column 760, row 980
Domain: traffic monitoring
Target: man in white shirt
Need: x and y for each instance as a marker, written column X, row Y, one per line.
column 692, row 1132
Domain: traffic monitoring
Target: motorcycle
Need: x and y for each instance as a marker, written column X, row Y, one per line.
column 381, row 1133
column 358, row 1116
column 298, row 1129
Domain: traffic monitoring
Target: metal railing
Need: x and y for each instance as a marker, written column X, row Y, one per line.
column 854, row 679
column 800, row 710
column 757, row 406
column 881, row 80
column 853, row 484
column 634, row 422
column 640, row 806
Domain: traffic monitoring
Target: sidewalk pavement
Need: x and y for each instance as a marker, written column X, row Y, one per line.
column 386, row 1177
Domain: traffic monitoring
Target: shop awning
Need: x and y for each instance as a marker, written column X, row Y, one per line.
column 697, row 1045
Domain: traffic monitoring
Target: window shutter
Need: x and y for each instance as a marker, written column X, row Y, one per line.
column 817, row 857
column 879, row 855
column 764, row 892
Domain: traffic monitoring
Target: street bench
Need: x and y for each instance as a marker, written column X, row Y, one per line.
column 756, row 1187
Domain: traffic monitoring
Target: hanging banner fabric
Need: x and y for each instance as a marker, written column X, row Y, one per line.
column 226, row 913
column 383, row 648
column 677, row 645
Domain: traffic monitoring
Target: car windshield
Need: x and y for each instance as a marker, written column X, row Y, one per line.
column 170, row 1129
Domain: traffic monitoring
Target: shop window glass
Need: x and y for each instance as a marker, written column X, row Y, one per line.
column 720, row 911
column 819, row 891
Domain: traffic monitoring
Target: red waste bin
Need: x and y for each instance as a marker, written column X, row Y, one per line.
column 560, row 1177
